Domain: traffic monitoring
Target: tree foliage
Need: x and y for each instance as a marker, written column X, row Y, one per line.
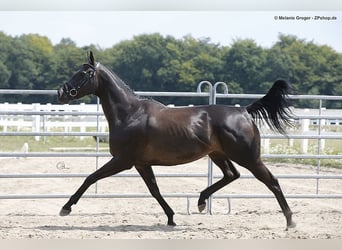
column 152, row 62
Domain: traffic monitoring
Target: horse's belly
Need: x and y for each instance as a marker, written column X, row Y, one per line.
column 171, row 154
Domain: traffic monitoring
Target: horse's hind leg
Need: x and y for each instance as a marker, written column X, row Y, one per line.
column 264, row 175
column 229, row 174
column 147, row 174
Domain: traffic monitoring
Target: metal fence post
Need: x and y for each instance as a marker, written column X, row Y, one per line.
column 210, row 91
column 214, row 90
column 97, row 139
column 210, row 163
column 319, row 144
column 212, row 100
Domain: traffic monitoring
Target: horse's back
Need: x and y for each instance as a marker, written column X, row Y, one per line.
column 200, row 121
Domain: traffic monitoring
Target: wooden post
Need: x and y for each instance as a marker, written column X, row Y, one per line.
column 36, row 121
column 304, row 130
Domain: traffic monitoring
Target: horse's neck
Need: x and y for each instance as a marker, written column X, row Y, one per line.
column 116, row 99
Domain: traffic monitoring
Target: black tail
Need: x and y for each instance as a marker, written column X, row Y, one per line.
column 274, row 107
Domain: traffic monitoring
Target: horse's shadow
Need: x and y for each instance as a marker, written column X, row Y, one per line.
column 108, row 228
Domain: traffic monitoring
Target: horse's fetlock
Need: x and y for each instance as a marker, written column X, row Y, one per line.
column 237, row 175
column 288, row 214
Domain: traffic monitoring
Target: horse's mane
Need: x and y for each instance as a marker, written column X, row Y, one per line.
column 119, row 81
column 125, row 87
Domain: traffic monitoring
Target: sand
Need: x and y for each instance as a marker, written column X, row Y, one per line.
column 143, row 218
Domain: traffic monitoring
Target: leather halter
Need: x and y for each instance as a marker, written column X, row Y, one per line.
column 88, row 76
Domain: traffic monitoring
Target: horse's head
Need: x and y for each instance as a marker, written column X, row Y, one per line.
column 82, row 83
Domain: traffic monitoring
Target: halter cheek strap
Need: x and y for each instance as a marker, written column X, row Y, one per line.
column 89, row 76
column 94, row 83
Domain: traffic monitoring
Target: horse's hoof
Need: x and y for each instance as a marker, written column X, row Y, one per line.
column 201, row 207
column 291, row 225
column 64, row 212
column 171, row 224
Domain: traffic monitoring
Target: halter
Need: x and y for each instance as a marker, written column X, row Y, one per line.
column 89, row 75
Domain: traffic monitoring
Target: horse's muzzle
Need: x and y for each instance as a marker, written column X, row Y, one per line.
column 62, row 96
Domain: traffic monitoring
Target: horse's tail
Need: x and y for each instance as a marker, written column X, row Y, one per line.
column 274, row 107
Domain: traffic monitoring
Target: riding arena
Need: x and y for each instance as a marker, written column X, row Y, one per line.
column 267, row 170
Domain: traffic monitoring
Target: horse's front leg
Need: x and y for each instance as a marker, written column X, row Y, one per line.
column 114, row 166
column 147, row 174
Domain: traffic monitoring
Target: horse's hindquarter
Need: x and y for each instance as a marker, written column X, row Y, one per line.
column 237, row 134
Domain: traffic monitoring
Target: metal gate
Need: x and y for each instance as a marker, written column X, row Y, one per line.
column 212, row 96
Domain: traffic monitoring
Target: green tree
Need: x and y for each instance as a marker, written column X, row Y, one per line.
column 5, row 50
column 311, row 68
column 153, row 62
column 245, row 64
column 201, row 60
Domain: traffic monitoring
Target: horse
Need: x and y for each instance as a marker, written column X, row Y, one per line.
column 144, row 132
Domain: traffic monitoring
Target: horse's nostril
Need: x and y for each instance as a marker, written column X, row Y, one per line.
column 60, row 93
column 61, row 96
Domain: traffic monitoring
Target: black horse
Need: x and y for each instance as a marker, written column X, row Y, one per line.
column 144, row 132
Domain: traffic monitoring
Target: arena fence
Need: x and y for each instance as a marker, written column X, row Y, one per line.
column 212, row 96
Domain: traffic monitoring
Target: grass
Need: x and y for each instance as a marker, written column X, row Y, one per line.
column 46, row 143
column 15, row 143
column 277, row 146
column 332, row 147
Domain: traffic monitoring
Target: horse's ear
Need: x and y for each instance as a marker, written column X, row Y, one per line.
column 91, row 59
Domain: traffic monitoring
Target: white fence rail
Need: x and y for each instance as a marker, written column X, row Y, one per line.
column 43, row 119
column 74, row 120
column 46, row 118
